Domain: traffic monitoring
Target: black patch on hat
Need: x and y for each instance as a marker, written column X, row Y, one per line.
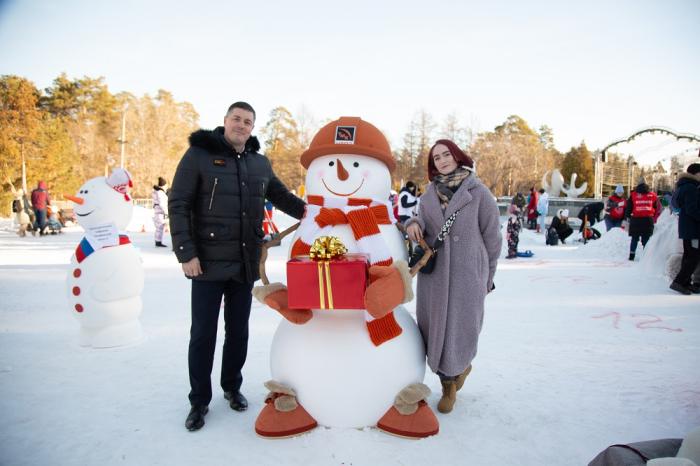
column 345, row 134
column 220, row 162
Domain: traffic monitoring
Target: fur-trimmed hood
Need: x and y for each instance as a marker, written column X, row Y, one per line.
column 688, row 178
column 213, row 141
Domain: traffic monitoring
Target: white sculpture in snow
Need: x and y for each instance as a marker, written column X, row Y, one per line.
column 105, row 280
column 557, row 185
column 571, row 190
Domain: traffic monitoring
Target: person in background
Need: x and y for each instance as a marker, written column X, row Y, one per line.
column 559, row 229
column 216, row 209
column 407, row 201
column 160, row 209
column 688, row 200
column 532, row 209
column 520, row 203
column 394, row 201
column 542, row 210
column 589, row 216
column 640, row 212
column 53, row 222
column 40, row 200
column 450, row 300
column 269, row 228
column 20, row 208
column 513, row 231
column 615, row 209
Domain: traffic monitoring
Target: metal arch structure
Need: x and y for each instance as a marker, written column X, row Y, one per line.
column 600, row 155
column 653, row 130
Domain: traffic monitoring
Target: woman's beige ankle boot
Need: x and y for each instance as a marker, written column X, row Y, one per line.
column 462, row 377
column 449, row 396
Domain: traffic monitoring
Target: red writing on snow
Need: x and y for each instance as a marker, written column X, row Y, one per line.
column 642, row 321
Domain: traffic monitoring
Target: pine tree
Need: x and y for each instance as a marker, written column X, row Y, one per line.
column 283, row 147
column 91, row 115
column 580, row 161
column 513, row 157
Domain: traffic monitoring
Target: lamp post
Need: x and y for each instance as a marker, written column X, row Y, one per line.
column 630, row 173
column 598, row 174
column 122, row 141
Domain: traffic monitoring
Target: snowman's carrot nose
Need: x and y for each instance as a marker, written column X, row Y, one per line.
column 342, row 172
column 76, row 199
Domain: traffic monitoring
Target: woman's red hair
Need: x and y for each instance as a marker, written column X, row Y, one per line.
column 458, row 154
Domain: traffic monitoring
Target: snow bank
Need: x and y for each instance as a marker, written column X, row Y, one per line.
column 662, row 255
column 613, row 245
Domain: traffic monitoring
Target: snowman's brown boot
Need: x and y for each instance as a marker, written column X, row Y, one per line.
column 282, row 415
column 410, row 417
column 449, row 396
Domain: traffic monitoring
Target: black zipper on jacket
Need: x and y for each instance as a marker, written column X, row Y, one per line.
column 213, row 190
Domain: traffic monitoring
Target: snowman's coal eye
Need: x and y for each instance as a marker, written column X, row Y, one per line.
column 356, row 164
column 330, row 164
column 86, row 191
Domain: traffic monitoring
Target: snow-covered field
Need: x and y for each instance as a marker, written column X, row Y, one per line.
column 580, row 349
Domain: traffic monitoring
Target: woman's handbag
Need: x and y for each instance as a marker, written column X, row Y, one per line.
column 419, row 252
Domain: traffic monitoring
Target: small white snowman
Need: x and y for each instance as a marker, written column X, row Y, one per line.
column 106, row 276
column 349, row 367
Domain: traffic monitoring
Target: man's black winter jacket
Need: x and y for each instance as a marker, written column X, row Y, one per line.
column 216, row 206
column 688, row 198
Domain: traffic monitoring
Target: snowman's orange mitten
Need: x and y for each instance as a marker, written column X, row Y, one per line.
column 275, row 296
column 389, row 286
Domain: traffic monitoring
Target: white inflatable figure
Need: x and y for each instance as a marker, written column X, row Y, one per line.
column 354, row 367
column 571, row 190
column 106, row 277
column 553, row 189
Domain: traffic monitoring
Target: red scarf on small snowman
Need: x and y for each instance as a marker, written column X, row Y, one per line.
column 364, row 217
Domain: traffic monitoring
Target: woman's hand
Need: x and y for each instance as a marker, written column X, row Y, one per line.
column 415, row 234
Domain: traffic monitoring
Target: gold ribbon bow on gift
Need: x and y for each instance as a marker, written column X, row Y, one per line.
column 323, row 250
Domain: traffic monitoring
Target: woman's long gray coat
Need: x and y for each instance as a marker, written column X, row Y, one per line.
column 450, row 301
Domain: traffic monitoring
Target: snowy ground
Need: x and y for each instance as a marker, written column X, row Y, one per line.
column 580, row 349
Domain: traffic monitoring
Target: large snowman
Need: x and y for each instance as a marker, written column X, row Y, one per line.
column 105, row 280
column 352, row 367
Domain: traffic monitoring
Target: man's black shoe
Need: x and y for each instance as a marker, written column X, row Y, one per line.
column 159, row 244
column 195, row 420
column 694, row 288
column 236, row 400
column 679, row 288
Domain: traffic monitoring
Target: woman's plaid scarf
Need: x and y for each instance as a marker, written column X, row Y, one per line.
column 447, row 185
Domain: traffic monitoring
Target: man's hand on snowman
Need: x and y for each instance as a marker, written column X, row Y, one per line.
column 274, row 295
column 389, row 286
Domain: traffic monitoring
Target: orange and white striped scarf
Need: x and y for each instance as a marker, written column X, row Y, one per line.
column 364, row 217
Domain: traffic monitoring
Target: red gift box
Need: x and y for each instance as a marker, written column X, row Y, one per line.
column 327, row 284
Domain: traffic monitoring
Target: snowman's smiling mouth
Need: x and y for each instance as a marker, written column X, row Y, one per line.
column 85, row 215
column 341, row 194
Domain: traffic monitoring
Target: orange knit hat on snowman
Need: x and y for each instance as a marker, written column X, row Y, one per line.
column 349, row 135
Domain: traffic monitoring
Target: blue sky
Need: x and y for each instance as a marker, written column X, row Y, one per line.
column 593, row 71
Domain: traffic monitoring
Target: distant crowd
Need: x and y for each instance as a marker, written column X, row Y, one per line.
column 636, row 213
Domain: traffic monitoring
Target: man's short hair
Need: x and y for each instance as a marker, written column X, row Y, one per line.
column 242, row 105
column 694, row 168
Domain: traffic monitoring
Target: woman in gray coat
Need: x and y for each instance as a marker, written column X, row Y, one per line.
column 450, row 301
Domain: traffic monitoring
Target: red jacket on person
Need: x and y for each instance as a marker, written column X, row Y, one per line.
column 40, row 197
column 532, row 205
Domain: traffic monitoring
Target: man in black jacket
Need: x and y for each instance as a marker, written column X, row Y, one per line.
column 216, row 209
column 687, row 196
